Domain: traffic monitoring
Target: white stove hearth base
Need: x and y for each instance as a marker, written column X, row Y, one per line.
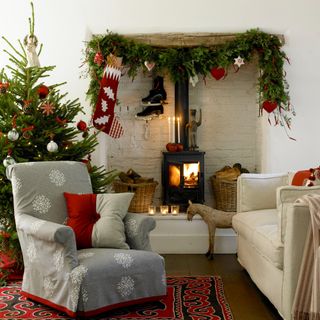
column 177, row 235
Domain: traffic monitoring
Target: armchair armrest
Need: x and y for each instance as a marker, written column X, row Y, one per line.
column 38, row 230
column 286, row 196
column 138, row 227
column 258, row 191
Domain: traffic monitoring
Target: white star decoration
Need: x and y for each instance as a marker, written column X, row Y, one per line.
column 109, row 92
column 238, row 61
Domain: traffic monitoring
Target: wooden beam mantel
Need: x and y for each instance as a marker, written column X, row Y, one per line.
column 173, row 40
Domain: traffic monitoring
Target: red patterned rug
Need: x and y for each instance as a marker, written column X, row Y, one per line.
column 188, row 298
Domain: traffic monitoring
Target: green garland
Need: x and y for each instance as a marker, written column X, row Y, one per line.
column 183, row 63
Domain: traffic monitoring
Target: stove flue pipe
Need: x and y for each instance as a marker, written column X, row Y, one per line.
column 181, row 101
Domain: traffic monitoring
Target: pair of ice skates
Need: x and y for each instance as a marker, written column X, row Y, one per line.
column 153, row 103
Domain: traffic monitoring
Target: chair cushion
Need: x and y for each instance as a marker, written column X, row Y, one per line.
column 260, row 228
column 97, row 220
column 82, row 216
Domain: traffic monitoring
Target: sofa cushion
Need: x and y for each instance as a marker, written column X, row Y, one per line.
column 260, row 228
column 266, row 242
column 245, row 223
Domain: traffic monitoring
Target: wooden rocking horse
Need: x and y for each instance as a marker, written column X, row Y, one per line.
column 213, row 218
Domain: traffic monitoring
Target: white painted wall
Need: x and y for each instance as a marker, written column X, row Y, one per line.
column 63, row 26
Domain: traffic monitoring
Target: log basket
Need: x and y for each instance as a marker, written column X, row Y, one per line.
column 143, row 194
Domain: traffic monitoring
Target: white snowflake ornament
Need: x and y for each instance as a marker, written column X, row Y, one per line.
column 238, row 61
column 194, row 80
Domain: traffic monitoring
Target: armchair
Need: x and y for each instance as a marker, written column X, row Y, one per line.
column 82, row 282
column 271, row 231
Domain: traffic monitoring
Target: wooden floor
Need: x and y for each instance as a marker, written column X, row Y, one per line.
column 245, row 300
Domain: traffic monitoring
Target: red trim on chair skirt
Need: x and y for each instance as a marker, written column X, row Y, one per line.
column 90, row 313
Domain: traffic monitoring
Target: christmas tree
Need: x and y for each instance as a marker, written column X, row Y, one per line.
column 36, row 124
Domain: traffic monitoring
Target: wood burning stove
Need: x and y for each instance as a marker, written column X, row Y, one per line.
column 183, row 177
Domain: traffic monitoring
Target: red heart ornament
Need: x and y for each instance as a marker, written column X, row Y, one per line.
column 218, row 73
column 269, row 106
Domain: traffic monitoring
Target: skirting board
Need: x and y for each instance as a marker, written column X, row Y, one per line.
column 176, row 235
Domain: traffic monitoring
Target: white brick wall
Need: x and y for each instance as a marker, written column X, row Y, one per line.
column 230, row 130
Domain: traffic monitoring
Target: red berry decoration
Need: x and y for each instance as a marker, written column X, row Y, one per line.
column 82, row 126
column 98, row 58
column 218, row 72
column 43, row 91
column 4, row 87
column 269, row 106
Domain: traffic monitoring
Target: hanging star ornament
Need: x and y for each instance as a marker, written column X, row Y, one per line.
column 238, row 61
column 47, row 108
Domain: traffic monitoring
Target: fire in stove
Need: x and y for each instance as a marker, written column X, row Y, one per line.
column 191, row 174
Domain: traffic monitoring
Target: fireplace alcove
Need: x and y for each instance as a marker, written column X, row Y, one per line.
column 231, row 132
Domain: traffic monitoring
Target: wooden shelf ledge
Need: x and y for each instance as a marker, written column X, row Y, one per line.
column 172, row 40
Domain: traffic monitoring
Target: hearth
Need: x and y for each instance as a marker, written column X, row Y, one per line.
column 183, row 177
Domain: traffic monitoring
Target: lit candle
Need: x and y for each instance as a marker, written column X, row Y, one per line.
column 178, row 129
column 152, row 210
column 164, row 210
column 175, row 210
column 169, row 124
column 173, row 130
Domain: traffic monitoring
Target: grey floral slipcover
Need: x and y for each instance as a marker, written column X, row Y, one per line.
column 80, row 282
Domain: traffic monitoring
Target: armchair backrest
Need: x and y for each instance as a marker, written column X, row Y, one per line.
column 38, row 187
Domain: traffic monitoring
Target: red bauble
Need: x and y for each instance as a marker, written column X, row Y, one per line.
column 269, row 106
column 218, row 73
column 4, row 87
column 82, row 126
column 98, row 58
column 43, row 91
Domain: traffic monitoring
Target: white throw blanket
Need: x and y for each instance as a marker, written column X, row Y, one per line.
column 306, row 304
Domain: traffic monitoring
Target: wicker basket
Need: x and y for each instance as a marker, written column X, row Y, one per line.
column 225, row 194
column 143, row 194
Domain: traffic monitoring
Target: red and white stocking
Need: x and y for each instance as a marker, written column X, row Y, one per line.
column 103, row 117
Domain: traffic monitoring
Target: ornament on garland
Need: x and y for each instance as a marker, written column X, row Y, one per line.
column 52, row 146
column 4, row 87
column 238, row 62
column 43, row 91
column 47, row 108
column 98, row 58
column 218, row 73
column 269, row 106
column 104, row 118
column 13, row 134
column 149, row 65
column 194, row 80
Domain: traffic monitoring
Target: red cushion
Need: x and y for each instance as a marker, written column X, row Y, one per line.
column 300, row 177
column 82, row 216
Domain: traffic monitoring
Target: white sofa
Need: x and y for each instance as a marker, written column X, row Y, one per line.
column 271, row 231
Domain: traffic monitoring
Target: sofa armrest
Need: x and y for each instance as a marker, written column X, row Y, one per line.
column 138, row 227
column 257, row 191
column 298, row 221
column 32, row 230
column 286, row 196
